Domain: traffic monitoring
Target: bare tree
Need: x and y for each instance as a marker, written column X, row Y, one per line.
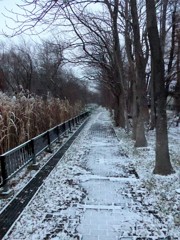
column 17, row 68
column 49, row 66
column 177, row 87
column 163, row 165
column 100, row 44
column 140, row 89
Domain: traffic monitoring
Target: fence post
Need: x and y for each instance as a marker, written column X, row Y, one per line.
column 62, row 131
column 70, row 126
column 6, row 192
column 58, row 135
column 34, row 165
column 66, row 129
column 49, row 148
column 33, row 152
column 74, row 123
column 78, row 120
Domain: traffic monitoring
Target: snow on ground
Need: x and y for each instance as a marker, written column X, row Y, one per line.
column 93, row 192
column 21, row 179
column 160, row 194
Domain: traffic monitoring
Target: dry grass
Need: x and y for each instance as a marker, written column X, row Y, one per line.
column 22, row 118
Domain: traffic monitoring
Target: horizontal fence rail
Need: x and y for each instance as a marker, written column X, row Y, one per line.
column 17, row 158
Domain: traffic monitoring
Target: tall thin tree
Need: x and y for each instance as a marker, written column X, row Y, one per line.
column 162, row 164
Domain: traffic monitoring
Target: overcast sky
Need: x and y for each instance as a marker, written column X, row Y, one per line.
column 10, row 5
column 6, row 22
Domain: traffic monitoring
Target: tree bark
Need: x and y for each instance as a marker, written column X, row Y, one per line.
column 162, row 162
column 118, row 63
column 119, row 111
column 163, row 24
column 153, row 109
column 177, row 87
column 140, row 79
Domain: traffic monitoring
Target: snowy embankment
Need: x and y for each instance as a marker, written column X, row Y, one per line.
column 58, row 209
column 159, row 194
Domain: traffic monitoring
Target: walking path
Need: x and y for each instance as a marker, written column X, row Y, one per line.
column 89, row 194
column 106, row 208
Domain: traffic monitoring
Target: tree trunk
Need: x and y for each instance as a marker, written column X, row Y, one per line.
column 177, row 87
column 140, row 80
column 140, row 136
column 118, row 63
column 119, row 111
column 163, row 24
column 134, row 113
column 153, row 109
column 132, row 107
column 162, row 163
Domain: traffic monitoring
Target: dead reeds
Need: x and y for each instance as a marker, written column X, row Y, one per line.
column 23, row 117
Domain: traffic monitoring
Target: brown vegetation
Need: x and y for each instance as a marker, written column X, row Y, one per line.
column 23, row 117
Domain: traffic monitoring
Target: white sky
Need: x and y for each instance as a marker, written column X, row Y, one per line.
column 6, row 22
column 10, row 5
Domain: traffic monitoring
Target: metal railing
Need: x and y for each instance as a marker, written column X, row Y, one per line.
column 12, row 161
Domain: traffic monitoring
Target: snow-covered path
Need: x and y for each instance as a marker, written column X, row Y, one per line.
column 107, row 208
column 90, row 194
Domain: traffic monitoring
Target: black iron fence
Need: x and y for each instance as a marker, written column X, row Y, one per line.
column 17, row 158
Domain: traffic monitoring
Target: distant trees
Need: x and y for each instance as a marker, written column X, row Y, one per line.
column 50, row 59
column 40, row 71
column 17, row 66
